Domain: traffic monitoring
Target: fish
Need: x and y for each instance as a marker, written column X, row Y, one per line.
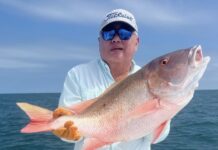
column 142, row 104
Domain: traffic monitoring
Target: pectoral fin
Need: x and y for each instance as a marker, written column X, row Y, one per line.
column 145, row 108
column 93, row 143
column 157, row 133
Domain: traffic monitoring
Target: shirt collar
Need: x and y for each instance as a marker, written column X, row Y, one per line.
column 106, row 67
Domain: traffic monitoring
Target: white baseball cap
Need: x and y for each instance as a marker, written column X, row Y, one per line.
column 119, row 15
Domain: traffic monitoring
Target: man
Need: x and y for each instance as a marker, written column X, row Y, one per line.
column 118, row 42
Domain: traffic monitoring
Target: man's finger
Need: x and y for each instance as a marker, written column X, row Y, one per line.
column 60, row 112
column 66, row 134
column 68, row 124
column 59, row 132
column 74, row 133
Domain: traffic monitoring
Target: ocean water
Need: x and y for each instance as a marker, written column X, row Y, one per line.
column 194, row 128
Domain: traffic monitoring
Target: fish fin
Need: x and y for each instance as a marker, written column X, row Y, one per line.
column 93, row 143
column 34, row 127
column 39, row 118
column 36, row 113
column 118, row 80
column 80, row 107
column 145, row 108
column 157, row 133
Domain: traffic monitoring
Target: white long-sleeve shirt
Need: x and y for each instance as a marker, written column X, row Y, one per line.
column 87, row 81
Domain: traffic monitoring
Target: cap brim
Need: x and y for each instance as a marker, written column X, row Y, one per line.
column 118, row 21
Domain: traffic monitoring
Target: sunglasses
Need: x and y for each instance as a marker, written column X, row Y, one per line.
column 123, row 34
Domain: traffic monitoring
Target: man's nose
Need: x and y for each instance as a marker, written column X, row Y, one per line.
column 116, row 39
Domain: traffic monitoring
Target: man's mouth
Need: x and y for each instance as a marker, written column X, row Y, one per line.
column 117, row 48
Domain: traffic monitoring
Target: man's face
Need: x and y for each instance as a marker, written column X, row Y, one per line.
column 117, row 50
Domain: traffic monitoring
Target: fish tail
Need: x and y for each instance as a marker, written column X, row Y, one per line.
column 40, row 118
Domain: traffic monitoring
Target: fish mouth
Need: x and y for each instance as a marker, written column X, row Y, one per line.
column 195, row 56
column 197, row 61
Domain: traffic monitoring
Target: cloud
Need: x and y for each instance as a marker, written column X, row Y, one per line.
column 72, row 11
column 39, row 57
column 18, row 64
column 168, row 12
column 150, row 12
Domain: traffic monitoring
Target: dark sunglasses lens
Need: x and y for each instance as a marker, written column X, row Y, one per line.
column 108, row 35
column 124, row 34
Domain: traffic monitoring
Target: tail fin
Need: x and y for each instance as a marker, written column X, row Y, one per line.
column 40, row 118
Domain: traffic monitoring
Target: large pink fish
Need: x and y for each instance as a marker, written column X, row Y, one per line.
column 137, row 106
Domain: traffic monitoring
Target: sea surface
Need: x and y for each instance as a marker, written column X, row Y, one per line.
column 194, row 128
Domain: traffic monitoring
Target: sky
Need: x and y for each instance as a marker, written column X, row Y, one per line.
column 40, row 40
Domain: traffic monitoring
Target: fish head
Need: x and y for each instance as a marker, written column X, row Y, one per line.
column 176, row 74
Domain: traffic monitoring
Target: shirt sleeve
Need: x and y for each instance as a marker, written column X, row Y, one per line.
column 71, row 93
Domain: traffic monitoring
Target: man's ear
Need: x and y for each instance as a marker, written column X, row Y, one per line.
column 137, row 43
column 138, row 40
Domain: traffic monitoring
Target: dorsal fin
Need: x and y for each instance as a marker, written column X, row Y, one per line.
column 80, row 107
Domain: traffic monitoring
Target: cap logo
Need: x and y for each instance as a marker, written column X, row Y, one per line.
column 118, row 14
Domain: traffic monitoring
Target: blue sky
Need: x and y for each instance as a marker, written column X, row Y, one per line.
column 41, row 40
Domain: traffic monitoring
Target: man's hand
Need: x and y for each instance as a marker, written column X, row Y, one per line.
column 69, row 131
column 61, row 112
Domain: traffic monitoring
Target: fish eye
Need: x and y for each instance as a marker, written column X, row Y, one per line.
column 164, row 61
